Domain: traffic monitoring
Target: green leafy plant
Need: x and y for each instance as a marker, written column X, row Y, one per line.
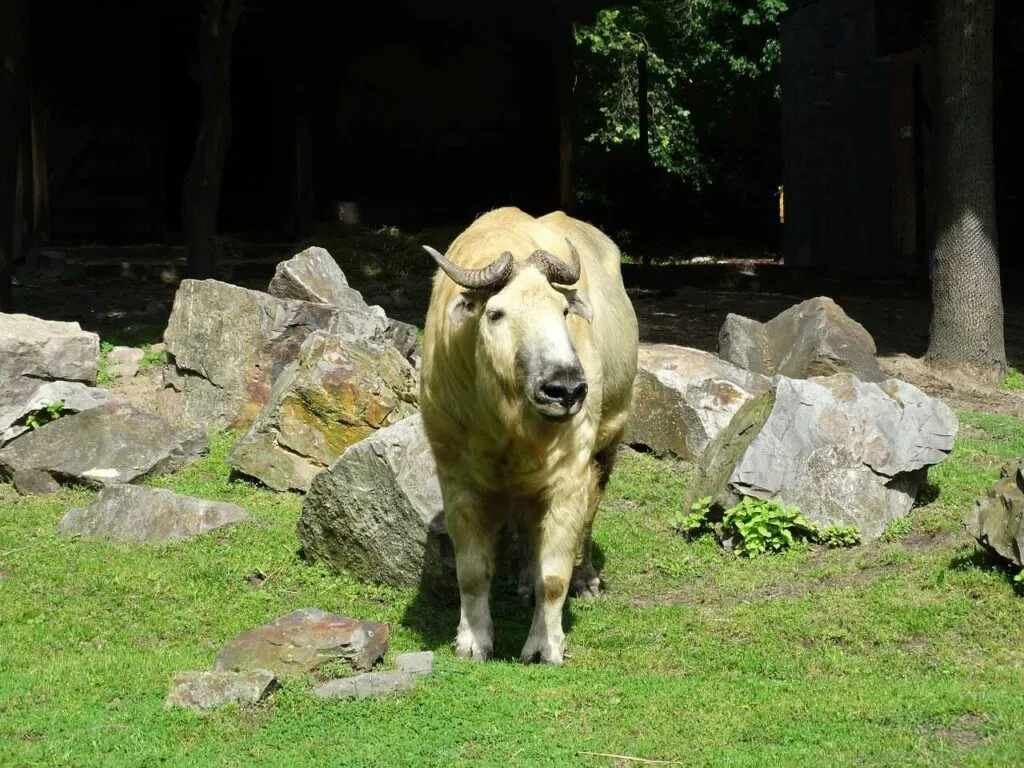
column 766, row 526
column 757, row 527
column 152, row 357
column 104, row 373
column 696, row 521
column 50, row 412
column 836, row 536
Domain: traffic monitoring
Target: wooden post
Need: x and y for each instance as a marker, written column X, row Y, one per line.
column 643, row 149
column 565, row 47
column 201, row 191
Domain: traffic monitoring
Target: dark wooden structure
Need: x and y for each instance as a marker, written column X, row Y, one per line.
column 421, row 113
column 856, row 89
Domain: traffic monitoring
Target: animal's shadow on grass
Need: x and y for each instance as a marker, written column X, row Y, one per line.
column 982, row 559
column 433, row 613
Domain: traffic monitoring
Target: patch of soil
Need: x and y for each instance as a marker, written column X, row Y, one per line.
column 964, row 732
column 958, row 390
column 146, row 391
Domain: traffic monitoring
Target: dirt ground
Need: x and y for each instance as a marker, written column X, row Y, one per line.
column 132, row 308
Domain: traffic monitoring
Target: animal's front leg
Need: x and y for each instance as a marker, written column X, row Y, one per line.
column 474, row 537
column 556, row 539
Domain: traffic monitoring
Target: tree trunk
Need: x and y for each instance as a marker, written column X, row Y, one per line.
column 643, row 148
column 14, row 19
column 201, row 190
column 967, row 306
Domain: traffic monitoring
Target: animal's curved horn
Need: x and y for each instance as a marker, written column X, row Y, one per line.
column 555, row 270
column 493, row 276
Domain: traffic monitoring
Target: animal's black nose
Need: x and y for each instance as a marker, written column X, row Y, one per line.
column 568, row 387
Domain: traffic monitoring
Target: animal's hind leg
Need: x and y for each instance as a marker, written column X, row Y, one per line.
column 585, row 581
column 474, row 536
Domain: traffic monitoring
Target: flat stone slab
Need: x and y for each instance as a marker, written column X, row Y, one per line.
column 302, row 640
column 148, row 515
column 203, row 691
column 47, row 349
column 369, row 685
column 420, row 663
column 24, row 395
column 110, row 444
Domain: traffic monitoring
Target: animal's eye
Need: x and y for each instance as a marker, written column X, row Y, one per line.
column 494, row 315
column 565, row 312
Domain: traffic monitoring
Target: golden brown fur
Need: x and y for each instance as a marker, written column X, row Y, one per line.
column 492, row 447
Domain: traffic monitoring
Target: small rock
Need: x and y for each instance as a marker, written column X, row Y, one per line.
column 371, row 684
column 106, row 445
column 997, row 519
column 813, row 338
column 303, row 640
column 377, row 511
column 24, row 395
column 421, row 663
column 46, row 349
column 684, row 397
column 124, row 362
column 210, row 690
column 151, row 515
column 34, row 482
column 155, row 308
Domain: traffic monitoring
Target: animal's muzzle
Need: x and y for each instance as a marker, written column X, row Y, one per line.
column 561, row 394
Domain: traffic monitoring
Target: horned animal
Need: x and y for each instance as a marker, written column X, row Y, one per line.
column 529, row 356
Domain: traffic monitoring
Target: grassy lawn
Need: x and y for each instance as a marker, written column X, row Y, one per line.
column 905, row 653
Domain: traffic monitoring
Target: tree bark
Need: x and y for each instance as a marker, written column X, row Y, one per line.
column 14, row 20
column 201, row 190
column 967, row 306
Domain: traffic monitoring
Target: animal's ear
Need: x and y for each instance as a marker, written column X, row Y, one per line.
column 579, row 304
column 463, row 307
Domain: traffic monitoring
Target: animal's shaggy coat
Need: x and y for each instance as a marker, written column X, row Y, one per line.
column 495, row 451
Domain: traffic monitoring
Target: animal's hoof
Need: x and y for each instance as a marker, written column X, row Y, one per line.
column 471, row 649
column 585, row 583
column 545, row 651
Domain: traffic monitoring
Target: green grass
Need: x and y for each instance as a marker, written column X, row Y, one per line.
column 896, row 654
column 1014, row 379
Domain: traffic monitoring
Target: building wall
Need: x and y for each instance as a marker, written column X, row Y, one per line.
column 847, row 143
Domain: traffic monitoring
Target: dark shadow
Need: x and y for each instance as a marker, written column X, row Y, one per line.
column 982, row 559
column 433, row 613
column 928, row 493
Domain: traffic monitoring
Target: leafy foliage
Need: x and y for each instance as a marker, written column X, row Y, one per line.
column 758, row 527
column 707, row 62
column 762, row 527
column 50, row 412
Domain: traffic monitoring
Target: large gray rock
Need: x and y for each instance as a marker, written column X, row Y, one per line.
column 813, row 338
column 416, row 663
column 683, row 398
column 997, row 519
column 227, row 345
column 148, row 515
column 302, row 640
column 209, row 690
column 841, row 450
column 46, row 349
column 338, row 392
column 23, row 396
column 368, row 685
column 106, row 445
column 377, row 511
